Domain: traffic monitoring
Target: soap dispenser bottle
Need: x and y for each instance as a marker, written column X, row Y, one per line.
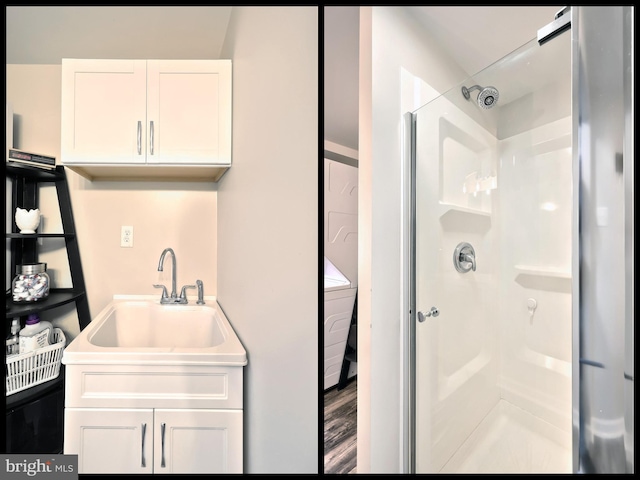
column 36, row 334
column 13, row 340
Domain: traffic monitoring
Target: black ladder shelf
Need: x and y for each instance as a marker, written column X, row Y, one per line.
column 26, row 181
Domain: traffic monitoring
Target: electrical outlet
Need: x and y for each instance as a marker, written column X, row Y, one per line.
column 126, row 236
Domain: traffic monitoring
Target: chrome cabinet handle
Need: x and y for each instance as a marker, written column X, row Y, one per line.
column 139, row 137
column 422, row 316
column 144, row 430
column 162, row 428
column 151, row 138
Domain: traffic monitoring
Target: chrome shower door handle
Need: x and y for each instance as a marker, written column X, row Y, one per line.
column 422, row 316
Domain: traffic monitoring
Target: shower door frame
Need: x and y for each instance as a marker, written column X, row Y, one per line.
column 603, row 370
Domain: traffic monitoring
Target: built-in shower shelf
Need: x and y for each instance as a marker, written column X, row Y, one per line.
column 449, row 208
column 542, row 272
column 464, row 219
column 543, row 278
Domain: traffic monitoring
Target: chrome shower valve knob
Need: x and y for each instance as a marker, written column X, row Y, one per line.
column 464, row 258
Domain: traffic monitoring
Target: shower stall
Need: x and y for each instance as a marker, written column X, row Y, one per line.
column 521, row 306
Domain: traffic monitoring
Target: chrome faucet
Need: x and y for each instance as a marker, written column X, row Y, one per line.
column 173, row 269
column 173, row 298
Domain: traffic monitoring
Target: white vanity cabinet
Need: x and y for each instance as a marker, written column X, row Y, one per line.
column 154, row 418
column 155, row 114
column 157, row 441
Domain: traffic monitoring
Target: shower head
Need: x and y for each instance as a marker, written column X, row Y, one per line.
column 487, row 97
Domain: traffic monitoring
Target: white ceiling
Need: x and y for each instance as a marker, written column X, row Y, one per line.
column 475, row 37
column 45, row 35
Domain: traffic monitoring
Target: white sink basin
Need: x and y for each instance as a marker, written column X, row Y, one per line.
column 137, row 329
column 149, row 325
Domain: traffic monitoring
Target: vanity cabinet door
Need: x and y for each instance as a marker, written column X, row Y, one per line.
column 115, row 440
column 197, row 441
column 104, row 111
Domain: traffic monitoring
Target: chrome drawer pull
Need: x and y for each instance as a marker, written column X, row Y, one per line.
column 144, row 430
column 151, row 141
column 162, row 427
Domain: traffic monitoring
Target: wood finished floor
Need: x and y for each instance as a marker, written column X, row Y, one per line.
column 340, row 429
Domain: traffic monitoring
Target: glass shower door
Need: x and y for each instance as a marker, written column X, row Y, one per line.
column 456, row 334
column 492, row 283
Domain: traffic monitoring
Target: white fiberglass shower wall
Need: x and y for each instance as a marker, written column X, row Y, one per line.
column 493, row 337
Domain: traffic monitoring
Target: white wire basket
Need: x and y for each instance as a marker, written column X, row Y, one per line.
column 25, row 370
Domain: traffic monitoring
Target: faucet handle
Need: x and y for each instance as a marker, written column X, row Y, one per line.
column 164, row 290
column 183, row 292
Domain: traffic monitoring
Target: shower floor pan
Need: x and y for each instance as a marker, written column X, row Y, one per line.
column 510, row 440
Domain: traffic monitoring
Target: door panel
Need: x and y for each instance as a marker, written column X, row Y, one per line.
column 110, row 440
column 456, row 363
column 198, row 441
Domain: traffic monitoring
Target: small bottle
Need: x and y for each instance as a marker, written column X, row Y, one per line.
column 36, row 334
column 13, row 340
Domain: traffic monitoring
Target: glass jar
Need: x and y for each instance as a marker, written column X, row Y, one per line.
column 31, row 283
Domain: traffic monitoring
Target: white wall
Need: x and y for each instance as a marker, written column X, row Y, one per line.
column 535, row 263
column 163, row 214
column 268, row 251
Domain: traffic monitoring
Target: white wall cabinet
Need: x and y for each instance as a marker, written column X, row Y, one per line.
column 153, row 118
column 157, row 441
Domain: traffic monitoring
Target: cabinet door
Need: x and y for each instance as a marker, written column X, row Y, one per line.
column 189, row 111
column 110, row 440
column 198, row 441
column 103, row 111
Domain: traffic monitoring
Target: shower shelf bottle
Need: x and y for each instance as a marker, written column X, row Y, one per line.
column 13, row 340
column 36, row 334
